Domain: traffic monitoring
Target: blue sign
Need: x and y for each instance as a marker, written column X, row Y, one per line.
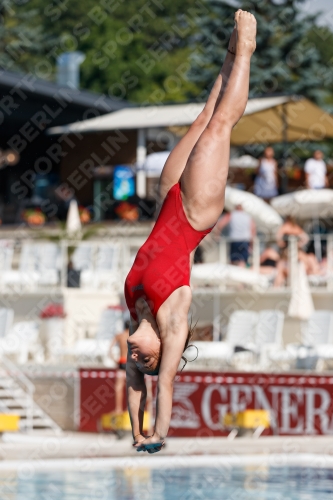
column 123, row 183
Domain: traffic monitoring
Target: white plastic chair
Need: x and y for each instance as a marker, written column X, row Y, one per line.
column 319, row 329
column 6, row 320
column 48, row 255
column 6, row 255
column 89, row 351
column 38, row 265
column 82, row 257
column 105, row 274
column 26, row 276
column 316, row 333
column 319, row 333
column 108, row 257
column 241, row 329
column 22, row 341
column 209, row 352
column 110, row 324
column 268, row 334
column 240, row 333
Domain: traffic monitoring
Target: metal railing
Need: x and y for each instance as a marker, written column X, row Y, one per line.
column 322, row 244
column 17, row 277
column 26, row 385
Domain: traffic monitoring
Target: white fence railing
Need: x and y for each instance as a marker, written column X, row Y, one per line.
column 27, row 266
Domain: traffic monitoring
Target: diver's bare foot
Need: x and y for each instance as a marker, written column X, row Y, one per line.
column 246, row 32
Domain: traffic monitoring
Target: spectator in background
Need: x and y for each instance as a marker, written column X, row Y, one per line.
column 266, row 181
column 269, row 260
column 291, row 228
column 198, row 256
column 311, row 264
column 316, row 171
column 242, row 230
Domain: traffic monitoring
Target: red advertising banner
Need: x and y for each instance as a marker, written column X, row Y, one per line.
column 298, row 404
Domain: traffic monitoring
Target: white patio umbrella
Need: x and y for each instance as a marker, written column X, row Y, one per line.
column 263, row 214
column 154, row 163
column 73, row 222
column 218, row 274
column 245, row 161
column 305, row 204
column 301, row 303
column 300, row 307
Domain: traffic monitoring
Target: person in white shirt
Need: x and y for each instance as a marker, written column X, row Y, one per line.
column 316, row 171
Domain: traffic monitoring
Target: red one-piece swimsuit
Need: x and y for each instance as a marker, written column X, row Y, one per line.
column 163, row 262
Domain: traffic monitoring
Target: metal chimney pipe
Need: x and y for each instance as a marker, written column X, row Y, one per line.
column 68, row 69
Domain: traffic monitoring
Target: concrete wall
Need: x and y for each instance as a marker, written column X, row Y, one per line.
column 84, row 309
column 27, row 306
column 56, row 395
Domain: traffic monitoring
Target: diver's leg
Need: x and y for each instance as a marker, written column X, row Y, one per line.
column 204, row 178
column 177, row 159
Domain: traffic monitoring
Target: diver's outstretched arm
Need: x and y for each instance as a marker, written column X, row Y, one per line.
column 136, row 398
column 173, row 347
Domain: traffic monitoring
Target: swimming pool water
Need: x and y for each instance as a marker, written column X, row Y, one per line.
column 220, row 482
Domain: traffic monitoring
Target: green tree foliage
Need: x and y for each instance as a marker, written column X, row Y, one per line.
column 23, row 40
column 322, row 39
column 166, row 50
column 286, row 59
column 137, row 51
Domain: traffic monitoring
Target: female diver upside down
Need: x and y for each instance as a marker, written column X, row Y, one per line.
column 192, row 185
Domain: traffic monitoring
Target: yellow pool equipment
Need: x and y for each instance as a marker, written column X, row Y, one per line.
column 121, row 421
column 248, row 419
column 9, row 423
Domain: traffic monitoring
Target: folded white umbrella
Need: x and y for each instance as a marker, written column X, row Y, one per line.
column 301, row 303
column 217, row 274
column 73, row 222
column 263, row 214
column 305, row 204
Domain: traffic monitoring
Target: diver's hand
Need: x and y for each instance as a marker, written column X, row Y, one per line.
column 138, row 440
column 152, row 444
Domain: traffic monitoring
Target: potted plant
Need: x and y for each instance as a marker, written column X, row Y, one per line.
column 52, row 328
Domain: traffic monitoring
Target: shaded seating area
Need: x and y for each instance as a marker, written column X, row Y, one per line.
column 39, row 265
column 97, row 349
column 249, row 339
column 315, row 348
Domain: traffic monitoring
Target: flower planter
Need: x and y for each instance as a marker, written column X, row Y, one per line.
column 51, row 333
column 52, row 330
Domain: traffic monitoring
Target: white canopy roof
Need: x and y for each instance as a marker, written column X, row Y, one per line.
column 157, row 116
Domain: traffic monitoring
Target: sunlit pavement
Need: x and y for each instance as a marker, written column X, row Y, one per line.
column 84, row 445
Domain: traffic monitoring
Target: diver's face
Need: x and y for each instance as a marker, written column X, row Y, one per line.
column 144, row 348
